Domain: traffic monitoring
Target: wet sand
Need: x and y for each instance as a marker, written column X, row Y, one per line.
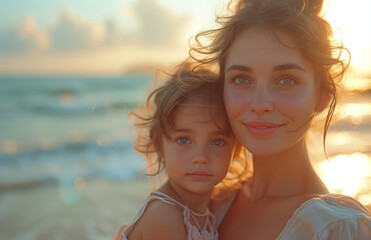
column 44, row 212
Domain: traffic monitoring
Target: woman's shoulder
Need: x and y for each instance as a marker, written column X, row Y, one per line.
column 335, row 215
column 333, row 207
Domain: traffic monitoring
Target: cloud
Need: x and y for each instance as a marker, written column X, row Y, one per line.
column 159, row 25
column 24, row 38
column 154, row 25
column 114, row 34
column 71, row 33
column 145, row 33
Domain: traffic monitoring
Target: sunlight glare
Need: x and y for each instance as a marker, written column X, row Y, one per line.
column 357, row 111
column 339, row 138
column 357, row 83
column 345, row 16
column 365, row 199
column 344, row 173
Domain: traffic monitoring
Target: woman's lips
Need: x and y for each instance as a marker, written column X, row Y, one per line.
column 199, row 175
column 262, row 129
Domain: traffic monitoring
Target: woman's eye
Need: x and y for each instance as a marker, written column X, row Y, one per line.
column 183, row 140
column 287, row 81
column 218, row 142
column 241, row 80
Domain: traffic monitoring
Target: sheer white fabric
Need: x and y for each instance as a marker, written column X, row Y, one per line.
column 194, row 232
column 332, row 216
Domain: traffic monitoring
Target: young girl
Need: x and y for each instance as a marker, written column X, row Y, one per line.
column 280, row 70
column 189, row 136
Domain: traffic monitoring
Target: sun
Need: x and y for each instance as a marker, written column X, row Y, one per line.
column 349, row 20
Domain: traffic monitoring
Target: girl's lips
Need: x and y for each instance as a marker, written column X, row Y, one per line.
column 262, row 129
column 199, row 175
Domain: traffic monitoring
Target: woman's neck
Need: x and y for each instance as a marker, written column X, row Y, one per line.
column 287, row 174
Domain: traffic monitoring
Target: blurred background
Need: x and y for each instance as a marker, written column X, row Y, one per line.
column 71, row 71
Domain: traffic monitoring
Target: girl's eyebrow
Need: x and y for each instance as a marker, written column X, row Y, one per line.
column 185, row 130
column 182, row 130
column 281, row 67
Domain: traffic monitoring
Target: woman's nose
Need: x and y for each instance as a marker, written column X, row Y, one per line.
column 261, row 102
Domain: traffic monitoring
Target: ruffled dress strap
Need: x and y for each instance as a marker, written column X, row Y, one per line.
column 208, row 232
column 194, row 232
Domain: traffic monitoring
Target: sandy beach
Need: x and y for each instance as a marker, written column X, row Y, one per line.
column 42, row 212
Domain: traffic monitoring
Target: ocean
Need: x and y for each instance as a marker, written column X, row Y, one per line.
column 59, row 128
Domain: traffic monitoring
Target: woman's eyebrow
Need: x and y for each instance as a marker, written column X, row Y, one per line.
column 281, row 67
column 288, row 66
column 239, row 67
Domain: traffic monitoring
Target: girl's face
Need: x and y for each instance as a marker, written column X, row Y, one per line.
column 197, row 154
column 269, row 91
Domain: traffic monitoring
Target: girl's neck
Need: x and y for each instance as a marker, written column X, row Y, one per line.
column 197, row 202
column 287, row 174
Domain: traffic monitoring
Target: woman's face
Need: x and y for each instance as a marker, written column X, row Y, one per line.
column 269, row 91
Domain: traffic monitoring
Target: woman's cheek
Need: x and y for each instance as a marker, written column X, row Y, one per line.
column 296, row 105
column 235, row 103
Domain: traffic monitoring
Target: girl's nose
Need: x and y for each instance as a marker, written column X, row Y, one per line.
column 201, row 156
column 261, row 102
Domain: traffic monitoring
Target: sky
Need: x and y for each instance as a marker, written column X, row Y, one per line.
column 97, row 37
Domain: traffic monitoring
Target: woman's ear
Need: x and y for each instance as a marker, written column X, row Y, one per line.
column 324, row 100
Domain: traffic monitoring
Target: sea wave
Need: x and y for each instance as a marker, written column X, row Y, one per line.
column 72, row 95
column 114, row 161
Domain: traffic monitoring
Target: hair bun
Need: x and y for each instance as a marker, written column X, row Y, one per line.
column 313, row 6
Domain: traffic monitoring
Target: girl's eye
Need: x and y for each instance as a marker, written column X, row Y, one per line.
column 286, row 81
column 183, row 140
column 241, row 80
column 218, row 142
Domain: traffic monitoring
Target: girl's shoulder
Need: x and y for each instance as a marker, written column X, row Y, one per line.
column 162, row 219
column 154, row 220
column 333, row 216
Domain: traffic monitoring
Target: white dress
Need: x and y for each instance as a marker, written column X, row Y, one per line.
column 194, row 232
column 332, row 216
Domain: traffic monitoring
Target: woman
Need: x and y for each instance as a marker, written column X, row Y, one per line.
column 280, row 70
